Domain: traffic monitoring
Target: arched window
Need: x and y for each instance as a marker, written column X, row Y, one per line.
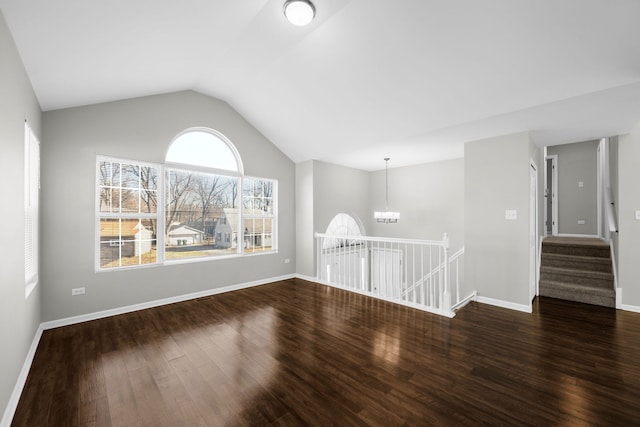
column 343, row 225
column 206, row 148
column 210, row 208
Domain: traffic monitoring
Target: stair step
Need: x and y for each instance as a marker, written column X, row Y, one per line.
column 578, row 293
column 576, row 246
column 579, row 277
column 576, row 262
column 578, row 250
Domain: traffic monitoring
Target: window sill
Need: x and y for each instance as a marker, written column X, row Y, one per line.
column 186, row 261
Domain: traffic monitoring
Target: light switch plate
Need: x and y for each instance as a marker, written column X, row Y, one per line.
column 510, row 214
column 580, row 184
column 638, row 215
column 581, row 222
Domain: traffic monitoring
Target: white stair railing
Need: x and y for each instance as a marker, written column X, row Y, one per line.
column 417, row 273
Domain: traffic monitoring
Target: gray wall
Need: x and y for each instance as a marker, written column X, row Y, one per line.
column 577, row 162
column 496, row 178
column 305, row 244
column 141, row 129
column 19, row 317
column 628, row 203
column 429, row 197
column 324, row 190
column 339, row 189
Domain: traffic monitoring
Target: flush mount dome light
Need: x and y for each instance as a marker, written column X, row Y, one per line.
column 299, row 12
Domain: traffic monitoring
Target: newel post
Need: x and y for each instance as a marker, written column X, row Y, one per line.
column 446, row 295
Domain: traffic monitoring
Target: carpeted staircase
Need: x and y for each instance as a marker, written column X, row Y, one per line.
column 577, row 269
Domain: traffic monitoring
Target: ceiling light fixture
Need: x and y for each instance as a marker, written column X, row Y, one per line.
column 386, row 217
column 299, row 12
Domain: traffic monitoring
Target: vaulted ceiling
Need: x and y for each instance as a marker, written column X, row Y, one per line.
column 408, row 79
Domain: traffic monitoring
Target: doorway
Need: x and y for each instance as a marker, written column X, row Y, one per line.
column 551, row 195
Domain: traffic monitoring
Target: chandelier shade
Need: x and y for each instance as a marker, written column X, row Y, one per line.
column 386, row 217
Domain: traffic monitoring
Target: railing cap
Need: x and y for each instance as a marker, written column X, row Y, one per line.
column 383, row 239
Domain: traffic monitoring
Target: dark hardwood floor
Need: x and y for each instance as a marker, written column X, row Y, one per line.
column 296, row 353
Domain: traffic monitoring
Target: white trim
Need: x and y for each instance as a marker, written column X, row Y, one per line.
column 307, row 278
column 633, row 308
column 505, row 304
column 599, row 185
column 625, row 307
column 156, row 303
column 554, row 194
column 539, row 264
column 12, row 405
column 386, row 239
column 30, row 287
column 613, row 266
column 450, row 314
column 533, row 287
column 464, row 301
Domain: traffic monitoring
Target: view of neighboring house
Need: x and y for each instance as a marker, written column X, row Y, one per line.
column 124, row 238
column 225, row 231
column 181, row 235
column 257, row 231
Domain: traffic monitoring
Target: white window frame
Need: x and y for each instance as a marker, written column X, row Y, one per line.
column 160, row 215
column 180, row 167
column 157, row 216
column 31, row 208
column 273, row 216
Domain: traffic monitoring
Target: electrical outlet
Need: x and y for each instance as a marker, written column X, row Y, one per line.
column 77, row 291
column 510, row 214
column 287, row 261
column 581, row 222
column 638, row 215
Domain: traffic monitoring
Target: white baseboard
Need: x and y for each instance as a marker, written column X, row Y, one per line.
column 136, row 307
column 505, row 304
column 625, row 307
column 307, row 278
column 633, row 308
column 12, row 405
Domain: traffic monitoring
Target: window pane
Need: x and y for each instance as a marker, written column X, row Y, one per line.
column 125, row 242
column 109, row 174
column 258, row 196
column 149, row 186
column 201, row 215
column 127, row 188
column 202, row 148
column 130, row 175
column 258, row 235
column 109, row 199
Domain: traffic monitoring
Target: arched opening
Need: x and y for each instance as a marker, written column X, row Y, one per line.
column 343, row 224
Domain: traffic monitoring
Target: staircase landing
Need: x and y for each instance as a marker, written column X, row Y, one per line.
column 577, row 269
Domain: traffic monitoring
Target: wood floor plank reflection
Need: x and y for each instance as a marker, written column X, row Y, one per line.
column 296, row 353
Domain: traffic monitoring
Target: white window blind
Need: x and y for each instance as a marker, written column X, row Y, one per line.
column 31, row 207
